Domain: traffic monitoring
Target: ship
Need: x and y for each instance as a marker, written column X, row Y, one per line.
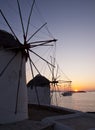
column 67, row 93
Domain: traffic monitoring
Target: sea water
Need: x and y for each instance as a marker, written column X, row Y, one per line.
column 78, row 101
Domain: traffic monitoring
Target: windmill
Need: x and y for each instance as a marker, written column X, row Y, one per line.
column 39, row 90
column 58, row 80
column 13, row 55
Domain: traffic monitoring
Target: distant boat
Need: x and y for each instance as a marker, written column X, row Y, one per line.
column 67, row 93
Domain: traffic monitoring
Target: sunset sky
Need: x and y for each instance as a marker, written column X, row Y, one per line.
column 72, row 22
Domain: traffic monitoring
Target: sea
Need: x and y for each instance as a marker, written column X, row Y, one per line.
column 84, row 102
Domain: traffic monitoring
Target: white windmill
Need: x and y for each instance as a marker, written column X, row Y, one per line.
column 13, row 56
column 39, row 90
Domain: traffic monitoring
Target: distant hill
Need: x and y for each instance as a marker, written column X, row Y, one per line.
column 78, row 91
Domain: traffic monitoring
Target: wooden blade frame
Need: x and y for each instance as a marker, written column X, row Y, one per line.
column 25, row 47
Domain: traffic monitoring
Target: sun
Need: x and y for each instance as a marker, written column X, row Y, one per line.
column 75, row 90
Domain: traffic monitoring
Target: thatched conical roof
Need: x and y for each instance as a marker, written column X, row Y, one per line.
column 7, row 40
column 38, row 81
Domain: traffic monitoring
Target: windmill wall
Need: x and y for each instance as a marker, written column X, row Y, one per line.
column 43, row 95
column 10, row 111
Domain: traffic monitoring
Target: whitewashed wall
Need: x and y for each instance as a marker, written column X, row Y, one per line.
column 8, row 88
column 43, row 94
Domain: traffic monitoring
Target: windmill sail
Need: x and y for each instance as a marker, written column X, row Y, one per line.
column 14, row 53
column 58, row 80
